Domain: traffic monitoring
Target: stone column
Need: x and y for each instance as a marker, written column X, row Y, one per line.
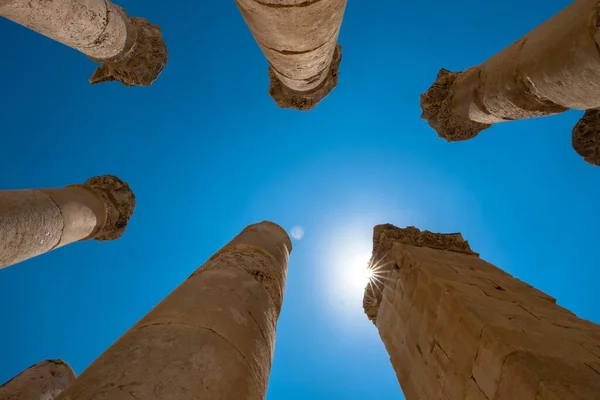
column 211, row 338
column 298, row 37
column 457, row 327
column 131, row 50
column 42, row 381
column 551, row 69
column 33, row 222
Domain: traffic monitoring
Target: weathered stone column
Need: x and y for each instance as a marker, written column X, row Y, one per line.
column 131, row 50
column 33, row 222
column 298, row 37
column 212, row 338
column 551, row 69
column 42, row 381
column 457, row 327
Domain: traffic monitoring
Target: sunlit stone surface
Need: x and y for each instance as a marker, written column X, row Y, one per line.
column 553, row 68
column 457, row 327
column 211, row 338
column 131, row 50
column 35, row 221
column 299, row 38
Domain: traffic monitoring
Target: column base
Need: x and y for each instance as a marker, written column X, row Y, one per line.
column 436, row 105
column 304, row 101
column 586, row 137
column 141, row 63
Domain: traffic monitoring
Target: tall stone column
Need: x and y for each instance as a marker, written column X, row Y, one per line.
column 298, row 37
column 42, row 381
column 131, row 50
column 551, row 69
column 211, row 338
column 33, row 222
column 457, row 327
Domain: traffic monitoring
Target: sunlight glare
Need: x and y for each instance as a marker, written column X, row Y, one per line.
column 356, row 270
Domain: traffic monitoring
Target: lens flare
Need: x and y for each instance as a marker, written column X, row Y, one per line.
column 297, row 232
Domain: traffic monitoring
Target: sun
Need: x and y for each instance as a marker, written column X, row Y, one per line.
column 356, row 271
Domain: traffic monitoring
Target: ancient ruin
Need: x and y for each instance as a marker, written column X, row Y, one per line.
column 457, row 327
column 35, row 221
column 299, row 38
column 131, row 50
column 211, row 338
column 42, row 381
column 553, row 68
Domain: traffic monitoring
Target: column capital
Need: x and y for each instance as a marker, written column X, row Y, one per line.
column 586, row 137
column 436, row 104
column 385, row 236
column 143, row 59
column 304, row 101
column 119, row 201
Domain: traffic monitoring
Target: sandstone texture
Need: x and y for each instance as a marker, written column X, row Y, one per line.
column 131, row 50
column 33, row 222
column 42, row 381
column 457, row 327
column 213, row 337
column 298, row 38
column 553, row 68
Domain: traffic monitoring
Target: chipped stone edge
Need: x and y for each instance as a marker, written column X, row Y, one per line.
column 385, row 237
column 118, row 209
column 436, row 106
column 304, row 101
column 585, row 137
column 142, row 53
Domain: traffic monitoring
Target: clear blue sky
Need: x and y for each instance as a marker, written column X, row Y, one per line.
column 207, row 152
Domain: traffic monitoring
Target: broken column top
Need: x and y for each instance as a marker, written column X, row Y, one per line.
column 385, row 237
column 264, row 239
column 143, row 60
column 44, row 381
column 304, row 101
column 119, row 200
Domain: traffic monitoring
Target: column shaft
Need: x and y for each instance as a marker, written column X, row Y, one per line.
column 96, row 28
column 33, row 222
column 299, row 38
column 42, row 381
column 131, row 49
column 457, row 327
column 553, row 68
column 211, row 338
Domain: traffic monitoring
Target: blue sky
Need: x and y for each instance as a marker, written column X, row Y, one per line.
column 207, row 152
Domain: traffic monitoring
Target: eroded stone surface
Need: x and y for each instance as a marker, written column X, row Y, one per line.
column 299, row 39
column 551, row 69
column 143, row 60
column 586, row 137
column 212, row 338
column 385, row 236
column 457, row 327
column 119, row 201
column 437, row 108
column 304, row 101
column 42, row 381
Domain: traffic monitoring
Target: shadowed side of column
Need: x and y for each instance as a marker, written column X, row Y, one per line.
column 456, row 327
column 553, row 68
column 131, row 50
column 35, row 221
column 42, row 381
column 298, row 37
column 213, row 337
